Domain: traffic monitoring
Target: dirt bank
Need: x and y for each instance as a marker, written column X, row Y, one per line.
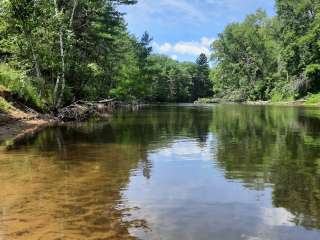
column 16, row 123
column 20, row 128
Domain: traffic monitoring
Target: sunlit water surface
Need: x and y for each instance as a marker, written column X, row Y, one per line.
column 220, row 172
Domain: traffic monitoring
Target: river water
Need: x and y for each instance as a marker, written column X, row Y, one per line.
column 173, row 172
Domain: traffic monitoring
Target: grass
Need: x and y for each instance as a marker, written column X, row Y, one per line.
column 4, row 105
column 4, row 89
column 279, row 97
column 313, row 99
column 21, row 85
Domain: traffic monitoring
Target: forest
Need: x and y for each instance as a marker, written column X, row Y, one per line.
column 55, row 52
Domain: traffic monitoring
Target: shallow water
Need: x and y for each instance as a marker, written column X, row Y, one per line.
column 224, row 172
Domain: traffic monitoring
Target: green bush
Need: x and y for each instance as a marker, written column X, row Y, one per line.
column 22, row 85
column 282, row 92
column 277, row 97
column 313, row 99
column 4, row 105
column 207, row 100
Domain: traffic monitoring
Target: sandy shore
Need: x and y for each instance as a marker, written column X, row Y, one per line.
column 15, row 124
column 19, row 128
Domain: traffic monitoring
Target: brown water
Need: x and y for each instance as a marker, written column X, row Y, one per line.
column 225, row 172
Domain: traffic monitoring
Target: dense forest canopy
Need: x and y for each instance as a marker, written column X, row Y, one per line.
column 270, row 58
column 55, row 52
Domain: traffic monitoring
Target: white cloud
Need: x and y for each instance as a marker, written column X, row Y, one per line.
column 207, row 41
column 174, row 57
column 192, row 48
column 164, row 48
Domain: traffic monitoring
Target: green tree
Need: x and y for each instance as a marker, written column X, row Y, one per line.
column 246, row 59
column 74, row 47
column 300, row 53
column 201, row 84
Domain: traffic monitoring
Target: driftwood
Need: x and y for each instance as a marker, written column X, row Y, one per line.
column 82, row 110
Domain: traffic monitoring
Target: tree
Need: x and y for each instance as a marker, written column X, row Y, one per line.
column 75, row 47
column 201, row 84
column 300, row 53
column 246, row 59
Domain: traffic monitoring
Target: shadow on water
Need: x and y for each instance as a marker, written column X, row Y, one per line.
column 167, row 172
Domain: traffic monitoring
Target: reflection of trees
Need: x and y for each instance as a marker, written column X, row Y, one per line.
column 278, row 146
column 77, row 173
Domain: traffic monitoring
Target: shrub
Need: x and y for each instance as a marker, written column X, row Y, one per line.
column 207, row 100
column 313, row 99
column 4, row 105
column 283, row 92
column 21, row 85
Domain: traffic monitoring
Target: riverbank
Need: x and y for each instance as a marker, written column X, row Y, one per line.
column 17, row 120
column 16, row 123
column 19, row 129
column 296, row 103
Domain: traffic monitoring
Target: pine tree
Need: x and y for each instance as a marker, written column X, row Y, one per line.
column 202, row 86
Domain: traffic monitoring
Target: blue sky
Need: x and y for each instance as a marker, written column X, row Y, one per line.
column 182, row 29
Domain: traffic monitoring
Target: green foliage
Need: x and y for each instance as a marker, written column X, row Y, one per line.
column 207, row 100
column 4, row 105
column 313, row 99
column 277, row 97
column 202, row 86
column 72, row 49
column 4, row 89
column 245, row 55
column 280, row 97
column 270, row 58
column 67, row 50
column 22, row 86
column 171, row 81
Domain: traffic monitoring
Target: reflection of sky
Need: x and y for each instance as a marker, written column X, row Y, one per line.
column 185, row 150
column 188, row 197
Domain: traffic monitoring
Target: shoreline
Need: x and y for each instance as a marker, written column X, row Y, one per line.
column 16, row 129
column 17, row 123
column 297, row 103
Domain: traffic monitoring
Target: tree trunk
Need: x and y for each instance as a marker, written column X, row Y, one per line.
column 58, row 96
column 75, row 4
column 63, row 84
column 36, row 64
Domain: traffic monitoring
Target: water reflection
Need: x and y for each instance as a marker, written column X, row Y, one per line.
column 168, row 172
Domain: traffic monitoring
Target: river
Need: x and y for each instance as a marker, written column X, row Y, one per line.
column 171, row 172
